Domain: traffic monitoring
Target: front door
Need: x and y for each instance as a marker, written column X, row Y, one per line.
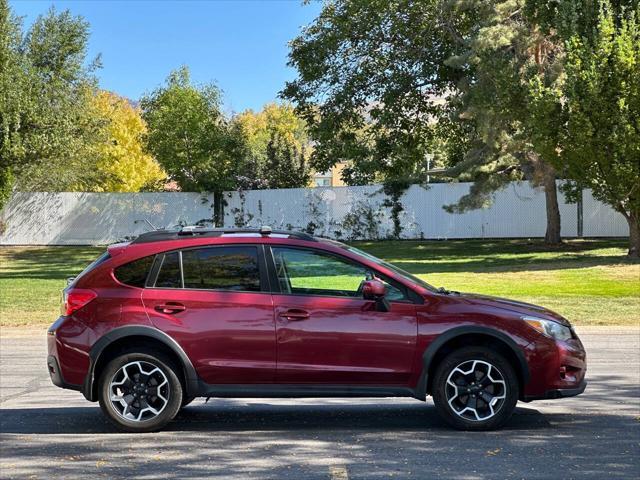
column 214, row 302
column 327, row 333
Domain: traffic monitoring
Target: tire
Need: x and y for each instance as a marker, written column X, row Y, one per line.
column 475, row 388
column 151, row 378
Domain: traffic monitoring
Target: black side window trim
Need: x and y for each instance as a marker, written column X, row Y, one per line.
column 155, row 270
column 161, row 258
column 412, row 297
column 262, row 269
column 181, row 269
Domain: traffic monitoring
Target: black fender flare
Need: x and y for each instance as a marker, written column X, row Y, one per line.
column 448, row 335
column 190, row 374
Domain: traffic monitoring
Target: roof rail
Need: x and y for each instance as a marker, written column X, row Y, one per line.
column 200, row 231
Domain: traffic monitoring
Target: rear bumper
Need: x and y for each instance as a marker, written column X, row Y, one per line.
column 558, row 393
column 56, row 375
column 64, row 360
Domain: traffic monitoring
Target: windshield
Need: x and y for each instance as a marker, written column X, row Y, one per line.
column 391, row 267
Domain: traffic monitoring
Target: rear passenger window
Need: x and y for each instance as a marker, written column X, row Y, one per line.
column 134, row 273
column 222, row 268
column 169, row 275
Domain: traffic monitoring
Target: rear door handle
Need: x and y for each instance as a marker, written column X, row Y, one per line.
column 295, row 314
column 170, row 307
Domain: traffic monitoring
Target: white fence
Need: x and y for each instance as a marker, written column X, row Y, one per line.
column 71, row 218
column 348, row 212
column 338, row 212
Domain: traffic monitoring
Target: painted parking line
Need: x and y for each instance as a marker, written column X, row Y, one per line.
column 338, row 473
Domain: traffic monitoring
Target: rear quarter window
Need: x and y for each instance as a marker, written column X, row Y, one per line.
column 98, row 261
column 134, row 273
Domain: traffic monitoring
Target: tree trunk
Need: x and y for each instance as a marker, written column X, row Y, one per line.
column 634, row 235
column 552, row 236
column 218, row 209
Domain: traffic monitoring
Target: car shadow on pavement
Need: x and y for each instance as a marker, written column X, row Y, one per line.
column 233, row 440
column 236, row 438
column 236, row 416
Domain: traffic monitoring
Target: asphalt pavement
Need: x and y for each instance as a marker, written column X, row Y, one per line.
column 49, row 433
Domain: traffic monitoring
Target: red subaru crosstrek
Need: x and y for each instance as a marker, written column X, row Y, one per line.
column 175, row 315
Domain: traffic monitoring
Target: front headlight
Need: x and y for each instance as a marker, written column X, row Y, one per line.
column 549, row 328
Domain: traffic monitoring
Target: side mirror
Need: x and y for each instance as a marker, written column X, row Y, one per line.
column 375, row 290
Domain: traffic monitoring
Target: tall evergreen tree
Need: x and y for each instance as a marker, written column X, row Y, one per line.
column 501, row 56
column 373, row 76
column 286, row 165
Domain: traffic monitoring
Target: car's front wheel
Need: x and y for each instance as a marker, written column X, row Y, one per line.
column 475, row 388
column 140, row 391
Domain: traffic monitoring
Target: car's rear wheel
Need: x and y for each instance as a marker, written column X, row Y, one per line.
column 475, row 388
column 140, row 391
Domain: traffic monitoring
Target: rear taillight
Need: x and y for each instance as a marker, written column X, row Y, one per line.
column 76, row 298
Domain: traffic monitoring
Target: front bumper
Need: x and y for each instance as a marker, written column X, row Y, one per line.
column 558, row 369
column 558, row 393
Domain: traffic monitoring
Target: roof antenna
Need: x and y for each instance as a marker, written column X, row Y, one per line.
column 265, row 230
column 135, row 222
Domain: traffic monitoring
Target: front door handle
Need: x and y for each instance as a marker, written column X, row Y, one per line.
column 170, row 307
column 294, row 314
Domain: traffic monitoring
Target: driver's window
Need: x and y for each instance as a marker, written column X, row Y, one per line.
column 314, row 273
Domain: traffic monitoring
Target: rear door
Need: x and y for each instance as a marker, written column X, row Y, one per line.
column 327, row 333
column 215, row 302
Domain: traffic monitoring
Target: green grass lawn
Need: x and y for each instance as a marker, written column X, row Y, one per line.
column 32, row 279
column 591, row 282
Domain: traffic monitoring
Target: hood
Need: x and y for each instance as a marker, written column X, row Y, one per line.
column 521, row 308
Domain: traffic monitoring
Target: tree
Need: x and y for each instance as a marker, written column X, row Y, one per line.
column 125, row 166
column 373, row 76
column 371, row 79
column 548, row 77
column 49, row 126
column 286, row 166
column 503, row 55
column 600, row 135
column 368, row 78
column 190, row 137
column 276, row 147
column 12, row 83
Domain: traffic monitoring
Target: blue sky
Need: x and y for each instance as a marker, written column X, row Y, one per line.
column 241, row 45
